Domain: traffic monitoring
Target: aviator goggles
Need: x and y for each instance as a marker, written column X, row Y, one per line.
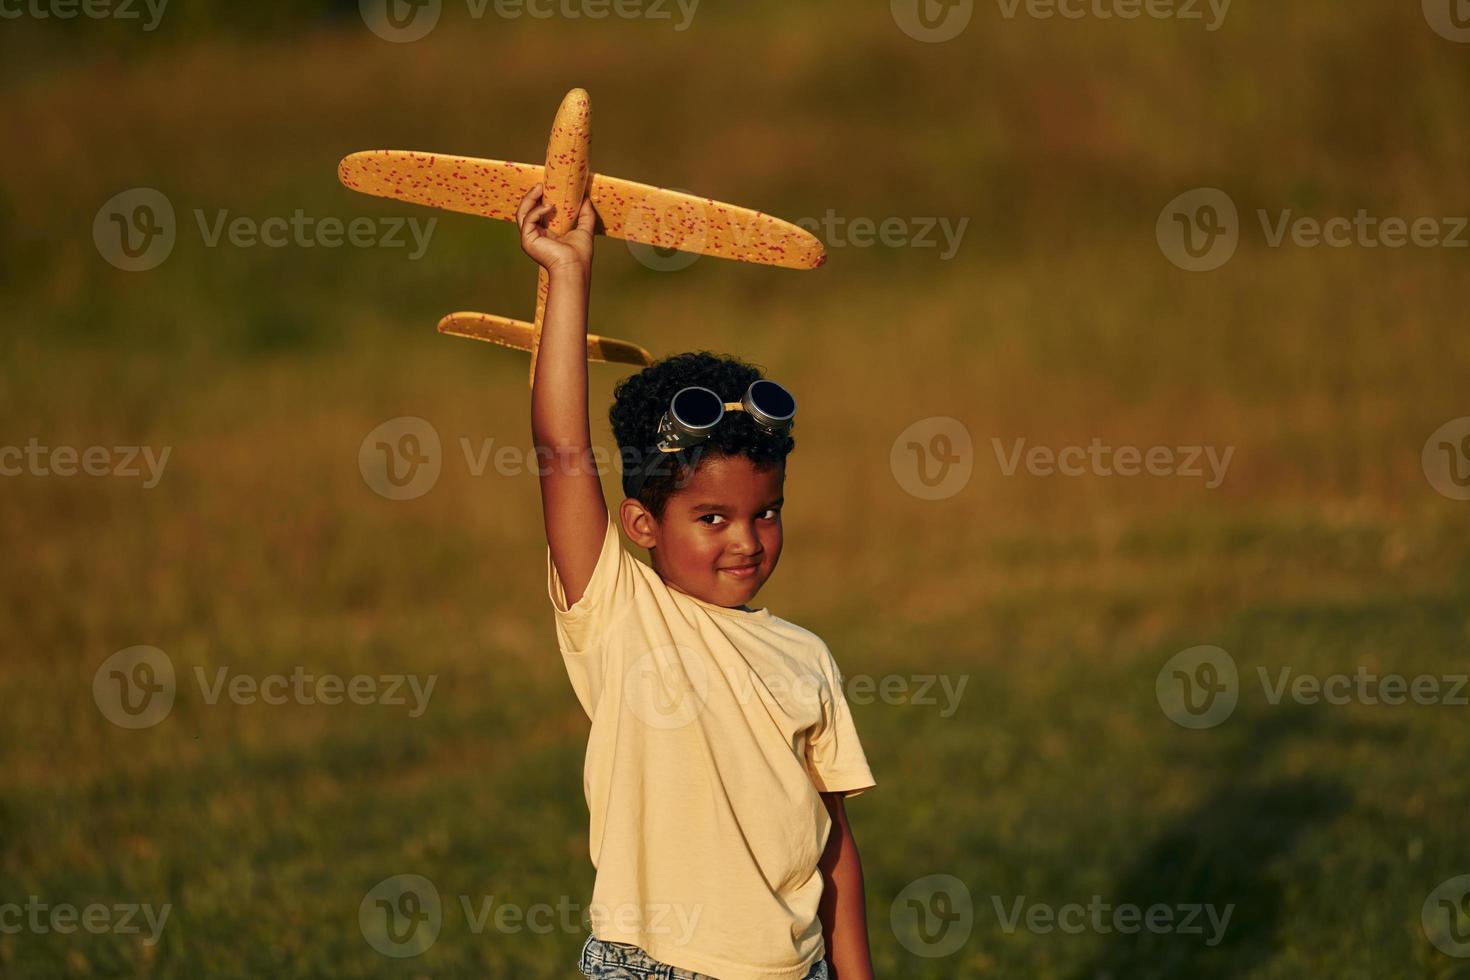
column 694, row 412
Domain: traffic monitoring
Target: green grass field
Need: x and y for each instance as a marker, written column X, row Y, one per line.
column 1056, row 600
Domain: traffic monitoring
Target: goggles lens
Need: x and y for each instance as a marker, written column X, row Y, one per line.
column 697, row 408
column 772, row 403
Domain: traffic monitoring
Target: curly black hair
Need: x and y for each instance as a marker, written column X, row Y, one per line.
column 641, row 399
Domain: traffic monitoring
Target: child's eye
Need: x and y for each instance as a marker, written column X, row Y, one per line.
column 769, row 514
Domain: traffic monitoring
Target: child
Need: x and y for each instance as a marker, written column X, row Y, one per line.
column 721, row 745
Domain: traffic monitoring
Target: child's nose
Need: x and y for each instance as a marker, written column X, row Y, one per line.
column 747, row 542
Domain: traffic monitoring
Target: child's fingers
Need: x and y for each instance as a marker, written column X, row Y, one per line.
column 532, row 219
column 526, row 203
column 587, row 217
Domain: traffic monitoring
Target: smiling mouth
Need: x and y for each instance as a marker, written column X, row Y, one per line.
column 741, row 571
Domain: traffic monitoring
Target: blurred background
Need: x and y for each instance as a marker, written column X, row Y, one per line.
column 1108, row 463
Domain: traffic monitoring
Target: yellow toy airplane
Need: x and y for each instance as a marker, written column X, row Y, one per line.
column 633, row 212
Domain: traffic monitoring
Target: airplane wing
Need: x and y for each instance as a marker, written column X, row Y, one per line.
column 488, row 188
column 670, row 219
column 631, row 211
column 519, row 335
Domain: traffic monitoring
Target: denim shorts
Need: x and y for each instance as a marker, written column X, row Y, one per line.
column 603, row 960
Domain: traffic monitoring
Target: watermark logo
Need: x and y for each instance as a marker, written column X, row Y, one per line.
column 1199, row 687
column 401, row 459
column 933, row 916
column 933, row 458
column 134, row 688
column 403, row 21
column 135, row 230
column 1446, row 459
column 667, row 687
column 681, row 221
column 404, row 915
column 932, row 21
column 1446, row 916
column 401, row 916
column 1199, row 230
column 1450, row 19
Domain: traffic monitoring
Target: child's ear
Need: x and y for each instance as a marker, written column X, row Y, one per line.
column 638, row 523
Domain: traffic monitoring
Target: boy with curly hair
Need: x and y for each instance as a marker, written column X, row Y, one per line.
column 721, row 745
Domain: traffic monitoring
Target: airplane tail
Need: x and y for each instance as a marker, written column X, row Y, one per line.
column 520, row 335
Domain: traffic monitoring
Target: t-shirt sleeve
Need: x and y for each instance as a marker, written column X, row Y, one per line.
column 582, row 627
column 834, row 754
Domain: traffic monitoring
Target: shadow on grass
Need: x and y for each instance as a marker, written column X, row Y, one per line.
column 1222, row 853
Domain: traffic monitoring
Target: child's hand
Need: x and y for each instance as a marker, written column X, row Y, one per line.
column 555, row 253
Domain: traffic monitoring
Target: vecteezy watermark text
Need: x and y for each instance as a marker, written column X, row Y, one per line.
column 122, row 461
column 403, row 458
column 933, row 916
column 671, row 685
column 123, row 10
column 1181, row 10
column 687, row 224
column 38, row 918
column 136, row 687
column 306, row 231
column 936, row 21
column 1363, row 230
column 1097, row 459
column 1200, row 230
column 1184, row 919
column 405, row 21
column 301, row 687
column 1200, row 687
column 136, row 230
column 838, row 231
column 894, row 689
column 402, row 916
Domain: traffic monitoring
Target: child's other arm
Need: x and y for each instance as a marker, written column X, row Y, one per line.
column 843, row 910
column 571, row 491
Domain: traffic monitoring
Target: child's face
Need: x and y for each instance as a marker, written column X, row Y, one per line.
column 727, row 514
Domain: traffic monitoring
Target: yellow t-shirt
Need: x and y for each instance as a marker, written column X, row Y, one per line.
column 713, row 730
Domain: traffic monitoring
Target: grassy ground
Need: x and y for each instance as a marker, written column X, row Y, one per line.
column 1056, row 599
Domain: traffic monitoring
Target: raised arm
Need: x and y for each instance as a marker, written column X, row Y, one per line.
column 571, row 491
